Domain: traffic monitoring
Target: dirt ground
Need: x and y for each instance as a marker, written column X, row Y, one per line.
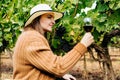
column 92, row 71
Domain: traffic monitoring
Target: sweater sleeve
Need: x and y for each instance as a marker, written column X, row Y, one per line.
column 41, row 56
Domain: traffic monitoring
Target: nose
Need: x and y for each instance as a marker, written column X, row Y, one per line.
column 53, row 21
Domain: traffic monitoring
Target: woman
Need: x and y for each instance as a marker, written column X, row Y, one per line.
column 33, row 59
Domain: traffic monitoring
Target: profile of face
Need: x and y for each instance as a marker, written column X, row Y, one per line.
column 46, row 22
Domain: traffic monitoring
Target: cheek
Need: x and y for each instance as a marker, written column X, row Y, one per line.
column 43, row 23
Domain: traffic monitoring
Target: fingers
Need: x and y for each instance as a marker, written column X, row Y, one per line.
column 69, row 77
column 73, row 78
column 87, row 39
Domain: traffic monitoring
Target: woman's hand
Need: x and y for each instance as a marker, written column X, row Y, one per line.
column 69, row 77
column 87, row 39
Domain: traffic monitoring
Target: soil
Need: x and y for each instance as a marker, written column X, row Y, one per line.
column 91, row 71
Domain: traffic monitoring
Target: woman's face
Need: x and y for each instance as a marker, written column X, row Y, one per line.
column 46, row 22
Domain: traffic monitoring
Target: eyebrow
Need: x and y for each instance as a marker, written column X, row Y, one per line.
column 51, row 15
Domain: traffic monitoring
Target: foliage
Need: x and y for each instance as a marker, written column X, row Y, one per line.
column 105, row 17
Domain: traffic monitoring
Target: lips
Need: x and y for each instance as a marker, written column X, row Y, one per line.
column 51, row 25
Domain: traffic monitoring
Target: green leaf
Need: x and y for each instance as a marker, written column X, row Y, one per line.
column 74, row 1
column 102, row 7
column 8, row 37
column 114, row 5
column 7, row 29
column 102, row 17
column 1, row 44
column 55, row 43
column 111, row 5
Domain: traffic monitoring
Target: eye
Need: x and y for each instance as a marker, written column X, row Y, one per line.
column 50, row 16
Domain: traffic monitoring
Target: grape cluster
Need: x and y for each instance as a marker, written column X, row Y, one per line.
column 60, row 31
column 64, row 44
column 5, row 44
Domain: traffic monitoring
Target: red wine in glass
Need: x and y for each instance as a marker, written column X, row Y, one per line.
column 88, row 28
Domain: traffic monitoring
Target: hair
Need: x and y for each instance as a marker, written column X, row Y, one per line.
column 33, row 24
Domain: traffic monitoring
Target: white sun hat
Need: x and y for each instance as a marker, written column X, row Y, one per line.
column 42, row 9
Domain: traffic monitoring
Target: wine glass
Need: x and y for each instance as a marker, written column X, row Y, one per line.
column 88, row 25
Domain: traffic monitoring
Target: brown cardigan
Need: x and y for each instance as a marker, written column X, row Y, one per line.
column 34, row 60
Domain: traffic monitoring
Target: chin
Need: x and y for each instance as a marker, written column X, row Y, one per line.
column 48, row 30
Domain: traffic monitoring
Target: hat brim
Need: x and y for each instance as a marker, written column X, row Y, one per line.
column 57, row 15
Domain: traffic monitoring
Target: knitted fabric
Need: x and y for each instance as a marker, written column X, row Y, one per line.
column 34, row 60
